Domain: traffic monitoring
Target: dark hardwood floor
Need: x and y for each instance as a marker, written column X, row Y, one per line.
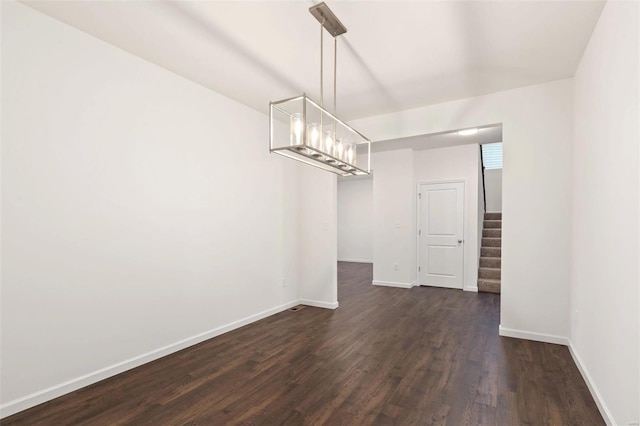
column 386, row 356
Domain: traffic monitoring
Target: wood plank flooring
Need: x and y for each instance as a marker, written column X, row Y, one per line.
column 425, row 356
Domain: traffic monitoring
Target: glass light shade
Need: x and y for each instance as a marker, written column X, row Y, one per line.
column 295, row 129
column 313, row 135
column 351, row 158
column 301, row 129
column 340, row 151
column 328, row 145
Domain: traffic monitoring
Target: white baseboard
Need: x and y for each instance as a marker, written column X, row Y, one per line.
column 393, row 284
column 55, row 391
column 604, row 410
column 318, row 304
column 473, row 289
column 356, row 260
column 529, row 335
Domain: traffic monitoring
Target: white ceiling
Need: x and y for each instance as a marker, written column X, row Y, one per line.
column 486, row 134
column 396, row 54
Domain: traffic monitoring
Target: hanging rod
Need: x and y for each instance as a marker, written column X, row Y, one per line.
column 329, row 21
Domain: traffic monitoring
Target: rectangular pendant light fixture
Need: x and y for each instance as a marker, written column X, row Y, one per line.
column 306, row 131
column 301, row 129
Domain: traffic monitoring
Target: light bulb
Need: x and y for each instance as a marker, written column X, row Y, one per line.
column 328, row 142
column 340, row 148
column 296, row 129
column 350, row 154
column 313, row 135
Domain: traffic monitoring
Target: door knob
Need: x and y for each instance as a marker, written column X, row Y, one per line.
column 459, row 241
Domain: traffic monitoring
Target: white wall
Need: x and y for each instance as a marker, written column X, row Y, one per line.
column 605, row 332
column 355, row 218
column 141, row 212
column 537, row 129
column 395, row 180
column 493, row 187
column 456, row 163
column 318, row 236
column 394, row 218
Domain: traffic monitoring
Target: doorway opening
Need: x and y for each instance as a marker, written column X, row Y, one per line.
column 379, row 217
column 490, row 261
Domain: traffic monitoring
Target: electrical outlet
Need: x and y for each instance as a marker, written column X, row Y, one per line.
column 395, row 267
column 284, row 282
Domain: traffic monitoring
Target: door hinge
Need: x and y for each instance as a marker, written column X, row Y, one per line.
column 419, row 232
column 420, row 195
column 419, row 269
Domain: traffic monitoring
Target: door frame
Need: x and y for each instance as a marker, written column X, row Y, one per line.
column 464, row 221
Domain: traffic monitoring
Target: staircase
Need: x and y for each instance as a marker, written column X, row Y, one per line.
column 490, row 254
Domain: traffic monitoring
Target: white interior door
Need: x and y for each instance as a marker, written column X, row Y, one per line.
column 441, row 235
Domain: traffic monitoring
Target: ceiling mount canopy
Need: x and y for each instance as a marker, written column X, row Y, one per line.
column 329, row 21
column 306, row 131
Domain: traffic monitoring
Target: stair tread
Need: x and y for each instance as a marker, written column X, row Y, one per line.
column 489, row 286
column 489, row 267
column 489, row 280
column 489, row 257
column 492, row 224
